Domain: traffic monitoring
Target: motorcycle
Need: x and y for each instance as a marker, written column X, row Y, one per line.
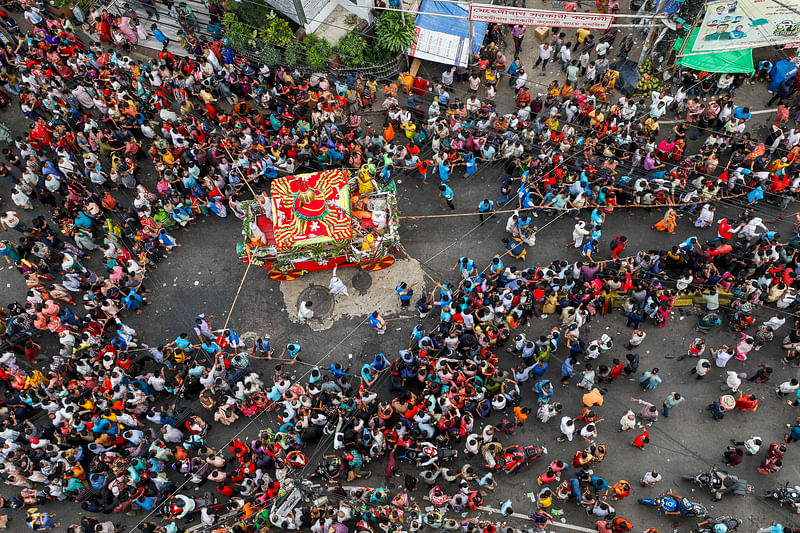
column 428, row 454
column 516, row 456
column 720, row 482
column 723, row 524
column 787, row 494
column 667, row 504
column 510, row 459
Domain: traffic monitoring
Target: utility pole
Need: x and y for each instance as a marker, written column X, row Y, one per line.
column 301, row 13
column 471, row 36
column 650, row 37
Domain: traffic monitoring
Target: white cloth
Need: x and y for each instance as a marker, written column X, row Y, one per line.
column 337, row 286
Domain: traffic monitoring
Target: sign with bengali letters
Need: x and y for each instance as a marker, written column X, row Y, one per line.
column 539, row 17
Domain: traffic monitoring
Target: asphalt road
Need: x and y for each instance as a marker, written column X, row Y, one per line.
column 203, row 276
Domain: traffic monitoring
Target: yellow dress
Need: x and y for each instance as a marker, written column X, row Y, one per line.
column 365, row 185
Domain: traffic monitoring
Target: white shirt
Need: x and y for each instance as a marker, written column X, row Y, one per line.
column 602, row 48
column 723, row 356
column 569, row 431
column 751, row 446
column 546, row 412
column 304, row 313
column 733, row 380
column 522, row 79
column 626, row 423
column 511, row 223
column 545, row 51
column 336, row 286
column 775, row 322
column 172, row 434
column 649, row 478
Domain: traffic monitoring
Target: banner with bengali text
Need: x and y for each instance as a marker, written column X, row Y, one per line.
column 539, row 17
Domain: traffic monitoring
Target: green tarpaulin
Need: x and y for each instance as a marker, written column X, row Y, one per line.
column 733, row 62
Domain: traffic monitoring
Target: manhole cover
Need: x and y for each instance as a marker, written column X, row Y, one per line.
column 362, row 281
column 322, row 302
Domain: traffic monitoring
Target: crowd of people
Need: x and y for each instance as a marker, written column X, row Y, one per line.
column 107, row 421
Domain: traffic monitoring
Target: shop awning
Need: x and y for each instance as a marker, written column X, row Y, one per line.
column 732, row 62
column 446, row 39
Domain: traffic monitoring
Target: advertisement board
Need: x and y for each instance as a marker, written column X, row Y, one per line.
column 738, row 24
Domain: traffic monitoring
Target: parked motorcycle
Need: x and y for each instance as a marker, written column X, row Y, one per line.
column 675, row 505
column 428, row 454
column 720, row 482
column 509, row 459
column 788, row 495
column 723, row 524
column 516, row 456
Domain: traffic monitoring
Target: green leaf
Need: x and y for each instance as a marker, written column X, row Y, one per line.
column 295, row 54
column 352, row 49
column 394, row 36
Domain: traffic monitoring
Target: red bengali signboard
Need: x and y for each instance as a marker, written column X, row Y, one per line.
column 539, row 17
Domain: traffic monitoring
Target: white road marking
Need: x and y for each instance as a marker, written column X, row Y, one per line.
column 526, row 517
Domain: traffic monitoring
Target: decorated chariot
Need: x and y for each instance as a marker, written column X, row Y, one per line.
column 319, row 221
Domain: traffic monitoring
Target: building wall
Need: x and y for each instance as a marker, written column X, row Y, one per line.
column 317, row 11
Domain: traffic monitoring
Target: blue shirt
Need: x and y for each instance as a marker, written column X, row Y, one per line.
column 444, row 172
column 526, row 199
column 263, row 346
column 599, row 483
column 293, row 349
column 465, row 263
column 447, row 192
column 688, row 244
column 403, row 297
column 740, row 114
column 496, row 268
column 160, row 37
column 484, row 206
column 755, row 195
column 472, row 164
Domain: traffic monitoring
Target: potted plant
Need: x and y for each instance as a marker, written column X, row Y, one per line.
column 270, row 55
column 318, row 50
column 351, row 50
column 276, row 31
column 295, row 54
column 60, row 8
column 238, row 34
column 395, row 34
